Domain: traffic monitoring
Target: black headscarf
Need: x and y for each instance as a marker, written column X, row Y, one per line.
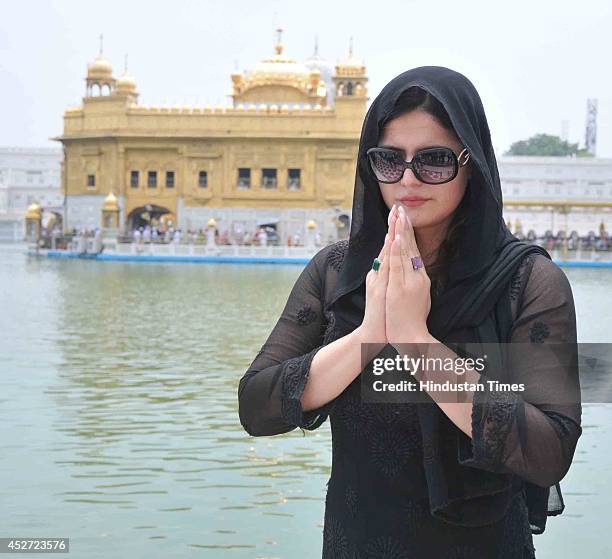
column 467, row 309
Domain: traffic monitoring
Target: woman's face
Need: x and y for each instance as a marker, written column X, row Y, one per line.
column 410, row 132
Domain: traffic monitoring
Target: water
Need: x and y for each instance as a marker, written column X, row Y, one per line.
column 118, row 415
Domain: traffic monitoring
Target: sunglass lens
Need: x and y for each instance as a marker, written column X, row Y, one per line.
column 387, row 165
column 435, row 166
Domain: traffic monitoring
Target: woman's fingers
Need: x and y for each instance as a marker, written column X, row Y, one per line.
column 409, row 243
column 396, row 267
column 381, row 254
column 384, row 267
column 393, row 215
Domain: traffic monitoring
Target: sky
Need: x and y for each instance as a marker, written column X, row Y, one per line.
column 535, row 63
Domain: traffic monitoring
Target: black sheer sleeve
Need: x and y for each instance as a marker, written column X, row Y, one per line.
column 532, row 433
column 270, row 390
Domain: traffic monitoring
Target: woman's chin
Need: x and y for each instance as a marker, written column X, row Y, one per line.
column 419, row 216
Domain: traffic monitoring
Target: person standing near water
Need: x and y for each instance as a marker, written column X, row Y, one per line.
column 429, row 261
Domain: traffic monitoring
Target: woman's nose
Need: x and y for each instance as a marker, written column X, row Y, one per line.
column 409, row 179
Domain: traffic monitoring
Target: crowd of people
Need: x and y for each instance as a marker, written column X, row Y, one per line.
column 260, row 236
column 268, row 236
column 573, row 241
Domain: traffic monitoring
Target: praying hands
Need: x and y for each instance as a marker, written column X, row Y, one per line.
column 398, row 288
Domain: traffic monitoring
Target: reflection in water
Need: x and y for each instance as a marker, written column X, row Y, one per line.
column 119, row 413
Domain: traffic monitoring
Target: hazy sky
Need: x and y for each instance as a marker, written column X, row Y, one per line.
column 534, row 62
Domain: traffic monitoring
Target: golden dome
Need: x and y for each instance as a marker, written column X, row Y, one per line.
column 100, row 69
column 277, row 80
column 278, row 67
column 110, row 202
column 126, row 83
column 211, row 222
column 311, row 224
column 350, row 66
column 33, row 211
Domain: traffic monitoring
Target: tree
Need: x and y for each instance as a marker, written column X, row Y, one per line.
column 546, row 145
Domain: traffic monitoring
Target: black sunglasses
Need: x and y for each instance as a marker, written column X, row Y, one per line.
column 434, row 165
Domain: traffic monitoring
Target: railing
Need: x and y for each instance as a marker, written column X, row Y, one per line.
column 190, row 249
column 90, row 246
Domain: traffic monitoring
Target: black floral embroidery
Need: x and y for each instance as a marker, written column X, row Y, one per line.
column 516, row 283
column 492, row 420
column 563, row 425
column 390, row 451
column 413, row 513
column 401, row 418
column 294, row 377
column 335, row 256
column 330, row 333
column 385, row 547
column 353, row 415
column 538, row 332
column 335, row 543
column 516, row 539
column 306, row 315
column 352, row 501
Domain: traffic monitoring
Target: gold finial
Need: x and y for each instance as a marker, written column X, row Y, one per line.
column 316, row 49
column 351, row 47
column 125, row 64
column 279, row 45
column 101, row 44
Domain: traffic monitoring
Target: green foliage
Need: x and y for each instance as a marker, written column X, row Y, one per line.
column 583, row 153
column 546, row 145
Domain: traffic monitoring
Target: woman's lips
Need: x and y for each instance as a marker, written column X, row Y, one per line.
column 413, row 201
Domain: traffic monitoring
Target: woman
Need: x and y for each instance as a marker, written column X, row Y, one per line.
column 440, row 478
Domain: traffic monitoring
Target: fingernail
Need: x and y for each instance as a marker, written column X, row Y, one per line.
column 397, row 236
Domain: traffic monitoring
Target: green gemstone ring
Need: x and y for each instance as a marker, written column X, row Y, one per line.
column 376, row 264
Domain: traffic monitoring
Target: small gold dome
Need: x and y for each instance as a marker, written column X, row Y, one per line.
column 33, row 211
column 126, row 83
column 350, row 66
column 110, row 202
column 100, row 68
column 311, row 224
column 211, row 222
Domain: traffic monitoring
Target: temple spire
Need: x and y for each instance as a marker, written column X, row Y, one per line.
column 279, row 45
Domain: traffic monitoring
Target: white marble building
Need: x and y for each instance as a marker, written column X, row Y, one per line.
column 28, row 175
column 557, row 193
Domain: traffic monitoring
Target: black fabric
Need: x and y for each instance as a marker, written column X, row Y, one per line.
column 379, row 495
column 479, row 274
column 407, row 482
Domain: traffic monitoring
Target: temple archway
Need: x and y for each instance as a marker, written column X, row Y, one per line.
column 143, row 215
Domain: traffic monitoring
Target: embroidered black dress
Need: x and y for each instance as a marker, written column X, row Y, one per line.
column 377, row 504
column 406, row 482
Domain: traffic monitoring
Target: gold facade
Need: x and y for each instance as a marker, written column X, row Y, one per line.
column 300, row 149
